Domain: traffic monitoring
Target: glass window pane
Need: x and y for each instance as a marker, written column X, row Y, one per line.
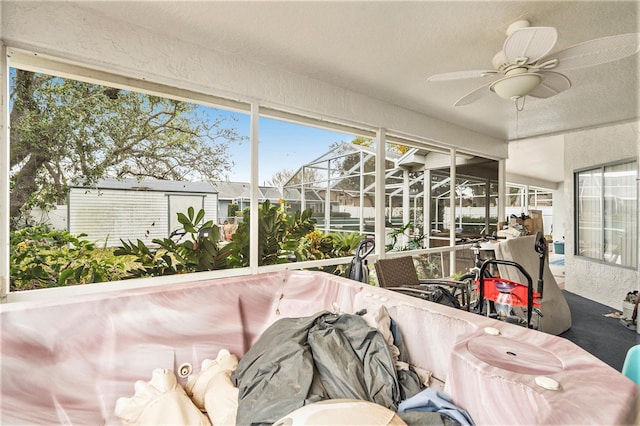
column 620, row 214
column 607, row 212
column 440, row 202
column 515, row 199
column 521, row 199
column 92, row 165
column 540, row 198
column 317, row 174
column 589, row 212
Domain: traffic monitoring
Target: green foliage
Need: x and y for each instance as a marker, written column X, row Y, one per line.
column 279, row 234
column 199, row 252
column 476, row 225
column 345, row 243
column 315, row 246
column 232, row 208
column 457, row 275
column 361, row 140
column 480, row 220
column 428, row 266
column 41, row 258
column 414, row 241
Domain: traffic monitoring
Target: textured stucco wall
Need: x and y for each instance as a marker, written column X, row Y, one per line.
column 595, row 280
column 72, row 33
column 559, row 209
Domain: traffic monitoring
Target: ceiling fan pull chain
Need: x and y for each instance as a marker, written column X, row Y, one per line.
column 517, row 116
column 518, row 110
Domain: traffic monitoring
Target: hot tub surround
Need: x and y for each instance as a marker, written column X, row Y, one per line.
column 69, row 361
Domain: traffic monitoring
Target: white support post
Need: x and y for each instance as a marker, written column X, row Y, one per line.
column 460, row 199
column 502, row 190
column 327, row 200
column 380, row 231
column 452, row 213
column 487, row 205
column 253, row 189
column 303, row 198
column 406, row 204
column 361, row 210
column 388, row 213
column 426, row 210
column 4, row 175
column 570, row 250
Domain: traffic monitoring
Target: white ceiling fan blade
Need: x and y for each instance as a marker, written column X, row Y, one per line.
column 597, row 51
column 552, row 84
column 530, row 42
column 473, row 96
column 460, row 75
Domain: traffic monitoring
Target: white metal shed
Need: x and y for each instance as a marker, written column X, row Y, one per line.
column 130, row 209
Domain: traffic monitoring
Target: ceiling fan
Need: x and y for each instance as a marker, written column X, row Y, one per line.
column 522, row 67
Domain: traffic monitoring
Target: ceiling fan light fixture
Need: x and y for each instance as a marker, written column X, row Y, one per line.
column 516, row 86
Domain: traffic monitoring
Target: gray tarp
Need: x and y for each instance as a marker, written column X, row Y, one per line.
column 298, row 361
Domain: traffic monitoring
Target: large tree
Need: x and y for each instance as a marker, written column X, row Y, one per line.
column 280, row 178
column 289, row 177
column 64, row 130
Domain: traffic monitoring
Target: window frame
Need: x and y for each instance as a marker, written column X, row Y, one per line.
column 184, row 91
column 36, row 62
column 601, row 169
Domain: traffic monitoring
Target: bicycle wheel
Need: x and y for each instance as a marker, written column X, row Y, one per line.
column 448, row 292
column 470, row 279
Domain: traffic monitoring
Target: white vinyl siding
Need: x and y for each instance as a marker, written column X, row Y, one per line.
column 180, row 203
column 108, row 215
column 211, row 208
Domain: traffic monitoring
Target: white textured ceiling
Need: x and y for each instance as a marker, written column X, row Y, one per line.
column 387, row 49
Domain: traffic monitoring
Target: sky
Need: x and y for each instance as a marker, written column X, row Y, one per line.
column 282, row 145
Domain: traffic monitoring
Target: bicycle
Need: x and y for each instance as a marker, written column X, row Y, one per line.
column 523, row 295
column 473, row 275
column 474, row 271
column 455, row 293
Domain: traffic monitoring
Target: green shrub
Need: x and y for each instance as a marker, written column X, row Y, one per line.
column 232, row 209
column 279, row 234
column 200, row 252
column 345, row 243
column 40, row 258
column 315, row 246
